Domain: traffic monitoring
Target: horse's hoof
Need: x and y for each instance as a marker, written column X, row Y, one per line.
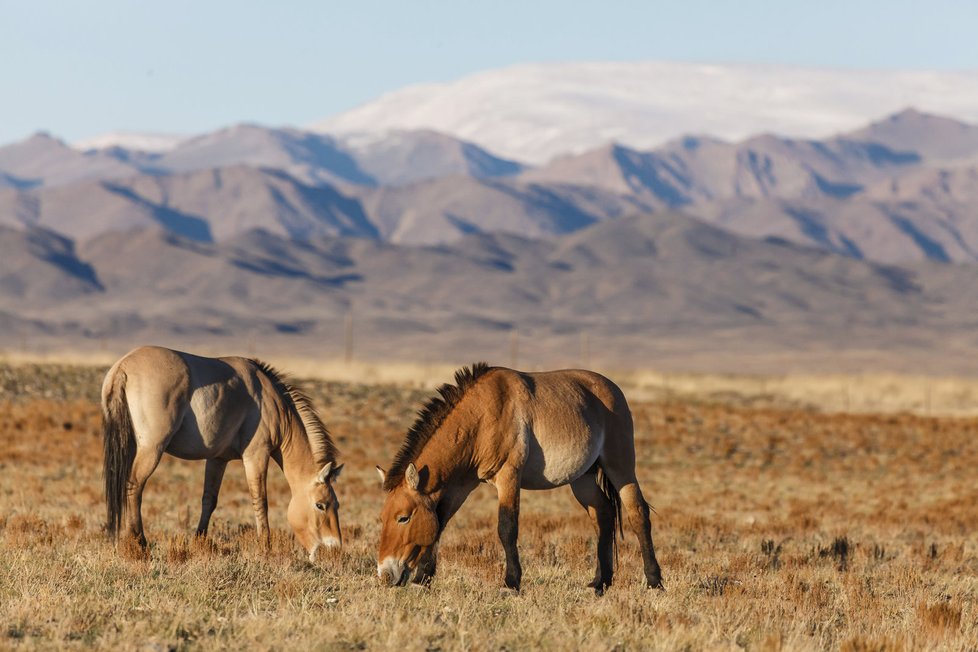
column 508, row 591
column 423, row 581
column 599, row 587
column 658, row 586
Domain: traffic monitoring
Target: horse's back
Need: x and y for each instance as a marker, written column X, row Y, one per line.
column 581, row 390
column 565, row 417
column 163, row 386
column 150, row 371
column 163, row 367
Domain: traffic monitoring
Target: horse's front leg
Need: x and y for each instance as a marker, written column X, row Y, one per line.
column 507, row 483
column 426, row 567
column 256, row 472
column 213, row 476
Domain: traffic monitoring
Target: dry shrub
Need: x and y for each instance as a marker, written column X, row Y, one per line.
column 870, row 644
column 177, row 549
column 129, row 548
column 288, row 589
column 204, row 547
column 26, row 524
column 939, row 618
column 32, row 530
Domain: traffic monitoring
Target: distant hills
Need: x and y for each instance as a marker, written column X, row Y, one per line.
column 399, row 158
column 700, row 252
column 897, row 190
column 638, row 287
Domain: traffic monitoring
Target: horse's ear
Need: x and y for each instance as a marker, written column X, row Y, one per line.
column 323, row 476
column 336, row 473
column 412, row 477
column 383, row 474
column 416, row 478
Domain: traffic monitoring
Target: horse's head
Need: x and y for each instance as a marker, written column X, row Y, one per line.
column 314, row 512
column 409, row 529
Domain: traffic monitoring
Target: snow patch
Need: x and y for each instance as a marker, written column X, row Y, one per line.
column 534, row 112
column 144, row 142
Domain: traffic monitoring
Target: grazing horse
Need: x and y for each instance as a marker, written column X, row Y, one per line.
column 157, row 400
column 515, row 431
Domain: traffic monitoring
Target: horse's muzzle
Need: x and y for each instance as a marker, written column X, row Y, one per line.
column 393, row 572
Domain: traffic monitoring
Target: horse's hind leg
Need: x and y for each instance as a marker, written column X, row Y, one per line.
column 638, row 518
column 213, row 476
column 618, row 462
column 143, row 465
column 602, row 513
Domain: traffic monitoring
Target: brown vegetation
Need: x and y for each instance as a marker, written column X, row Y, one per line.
column 777, row 528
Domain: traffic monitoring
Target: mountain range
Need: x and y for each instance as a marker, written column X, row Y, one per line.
column 644, row 289
column 699, row 252
column 898, row 190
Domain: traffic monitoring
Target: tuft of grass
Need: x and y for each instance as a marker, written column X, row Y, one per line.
column 939, row 619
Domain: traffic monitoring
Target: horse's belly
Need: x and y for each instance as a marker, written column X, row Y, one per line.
column 555, row 461
column 209, row 428
column 189, row 443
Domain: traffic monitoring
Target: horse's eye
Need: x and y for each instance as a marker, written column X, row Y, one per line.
column 403, row 519
column 321, row 507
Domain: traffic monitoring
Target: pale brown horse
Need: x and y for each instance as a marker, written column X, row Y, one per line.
column 515, row 431
column 157, row 400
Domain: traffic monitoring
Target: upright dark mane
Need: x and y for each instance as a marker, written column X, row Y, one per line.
column 323, row 449
column 430, row 418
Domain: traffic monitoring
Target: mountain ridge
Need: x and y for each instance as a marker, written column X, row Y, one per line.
column 846, row 194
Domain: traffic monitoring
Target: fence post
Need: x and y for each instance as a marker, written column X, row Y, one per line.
column 514, row 348
column 348, row 338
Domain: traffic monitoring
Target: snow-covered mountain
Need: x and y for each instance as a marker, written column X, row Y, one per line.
column 143, row 142
column 535, row 112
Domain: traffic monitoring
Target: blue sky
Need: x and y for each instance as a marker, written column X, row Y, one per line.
column 79, row 69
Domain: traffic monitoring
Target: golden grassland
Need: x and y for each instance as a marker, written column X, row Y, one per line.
column 777, row 527
column 871, row 392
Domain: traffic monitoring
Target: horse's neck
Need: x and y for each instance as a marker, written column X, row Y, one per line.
column 450, row 461
column 292, row 445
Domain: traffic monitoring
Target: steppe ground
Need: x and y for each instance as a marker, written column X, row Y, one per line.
column 778, row 526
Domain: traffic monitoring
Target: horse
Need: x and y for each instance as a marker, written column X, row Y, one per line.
column 157, row 400
column 513, row 430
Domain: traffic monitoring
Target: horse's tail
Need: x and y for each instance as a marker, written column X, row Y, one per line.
column 609, row 490
column 120, row 448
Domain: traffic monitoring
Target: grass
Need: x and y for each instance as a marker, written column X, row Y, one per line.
column 869, row 393
column 777, row 527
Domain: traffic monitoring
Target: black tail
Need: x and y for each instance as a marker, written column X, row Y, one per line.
column 609, row 490
column 120, row 450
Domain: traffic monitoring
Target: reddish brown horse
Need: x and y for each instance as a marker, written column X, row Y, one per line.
column 515, row 431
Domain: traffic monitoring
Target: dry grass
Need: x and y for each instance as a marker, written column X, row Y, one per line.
column 777, row 528
column 79, row 375
column 868, row 393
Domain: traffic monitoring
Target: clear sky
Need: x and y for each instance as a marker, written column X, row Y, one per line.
column 78, row 69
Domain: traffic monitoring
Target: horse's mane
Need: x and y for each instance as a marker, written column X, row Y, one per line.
column 323, row 448
column 430, row 418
